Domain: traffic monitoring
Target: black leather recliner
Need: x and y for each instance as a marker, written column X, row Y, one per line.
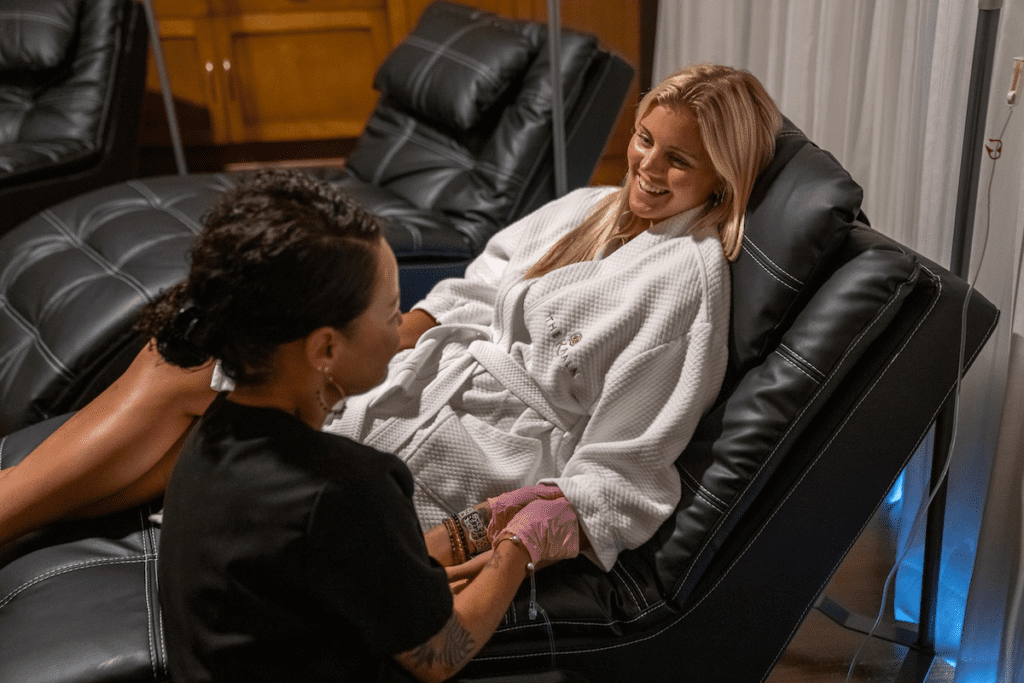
column 843, row 347
column 835, row 330
column 459, row 143
column 72, row 79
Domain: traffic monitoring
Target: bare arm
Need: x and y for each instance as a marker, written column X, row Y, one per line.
column 115, row 452
column 477, row 612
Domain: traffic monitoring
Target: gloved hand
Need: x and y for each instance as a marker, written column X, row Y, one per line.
column 548, row 529
column 507, row 505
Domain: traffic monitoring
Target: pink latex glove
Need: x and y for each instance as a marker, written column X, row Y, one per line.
column 548, row 529
column 507, row 505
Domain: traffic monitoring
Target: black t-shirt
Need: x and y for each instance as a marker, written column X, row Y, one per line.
column 288, row 554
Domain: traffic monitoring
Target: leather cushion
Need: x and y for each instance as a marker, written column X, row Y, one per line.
column 474, row 178
column 68, row 103
column 792, row 234
column 35, row 34
column 454, row 77
column 26, row 161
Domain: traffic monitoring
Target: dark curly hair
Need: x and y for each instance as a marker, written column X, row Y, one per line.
column 280, row 256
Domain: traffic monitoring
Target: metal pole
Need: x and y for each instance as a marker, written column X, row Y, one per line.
column 165, row 88
column 557, row 103
column 974, row 135
column 960, row 263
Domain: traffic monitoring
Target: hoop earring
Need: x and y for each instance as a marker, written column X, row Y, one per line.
column 331, row 410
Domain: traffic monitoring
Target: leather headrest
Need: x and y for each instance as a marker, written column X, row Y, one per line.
column 453, row 78
column 35, row 34
column 799, row 213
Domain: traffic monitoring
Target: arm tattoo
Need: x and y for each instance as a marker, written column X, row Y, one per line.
column 454, row 647
column 498, row 555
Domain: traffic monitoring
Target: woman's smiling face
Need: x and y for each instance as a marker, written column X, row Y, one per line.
column 671, row 169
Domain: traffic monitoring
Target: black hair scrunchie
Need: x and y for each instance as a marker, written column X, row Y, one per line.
column 189, row 334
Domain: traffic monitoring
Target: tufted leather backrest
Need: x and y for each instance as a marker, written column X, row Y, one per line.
column 57, row 68
column 464, row 121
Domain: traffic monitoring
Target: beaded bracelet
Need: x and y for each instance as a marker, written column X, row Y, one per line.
column 456, row 539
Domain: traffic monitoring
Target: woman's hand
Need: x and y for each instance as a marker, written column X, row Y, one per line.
column 506, row 506
column 414, row 324
column 495, row 513
column 548, row 529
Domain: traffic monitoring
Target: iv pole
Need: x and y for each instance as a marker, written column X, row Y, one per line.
column 960, row 262
column 557, row 103
column 921, row 641
column 165, row 88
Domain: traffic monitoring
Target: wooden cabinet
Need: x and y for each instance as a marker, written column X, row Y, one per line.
column 268, row 70
column 245, row 71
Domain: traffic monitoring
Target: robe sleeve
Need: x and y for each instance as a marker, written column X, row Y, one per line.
column 471, row 298
column 621, row 478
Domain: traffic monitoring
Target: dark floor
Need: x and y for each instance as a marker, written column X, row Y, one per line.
column 822, row 650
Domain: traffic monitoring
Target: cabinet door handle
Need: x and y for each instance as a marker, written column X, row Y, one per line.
column 231, row 81
column 212, row 82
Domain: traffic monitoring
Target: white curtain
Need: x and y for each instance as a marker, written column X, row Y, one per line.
column 882, row 84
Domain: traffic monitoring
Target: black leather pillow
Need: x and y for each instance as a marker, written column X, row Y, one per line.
column 798, row 215
column 454, row 78
column 35, row 34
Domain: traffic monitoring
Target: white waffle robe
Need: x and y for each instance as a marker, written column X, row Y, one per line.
column 591, row 377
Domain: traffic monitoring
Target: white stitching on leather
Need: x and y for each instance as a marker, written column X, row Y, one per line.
column 419, row 79
column 143, row 246
column 145, row 583
column 95, row 256
column 765, row 269
column 639, row 591
column 156, row 580
column 699, row 490
column 454, row 55
column 167, row 205
column 629, row 589
column 57, row 297
column 753, row 245
column 455, row 155
column 66, row 569
column 795, row 365
column 33, row 334
column 14, row 350
column 407, row 131
column 807, row 362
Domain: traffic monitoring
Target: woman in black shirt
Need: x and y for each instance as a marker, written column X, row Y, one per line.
column 287, row 553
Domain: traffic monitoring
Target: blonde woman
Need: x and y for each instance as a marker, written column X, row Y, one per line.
column 578, row 353
column 585, row 343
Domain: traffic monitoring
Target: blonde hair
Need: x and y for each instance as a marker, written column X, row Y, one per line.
column 738, row 123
